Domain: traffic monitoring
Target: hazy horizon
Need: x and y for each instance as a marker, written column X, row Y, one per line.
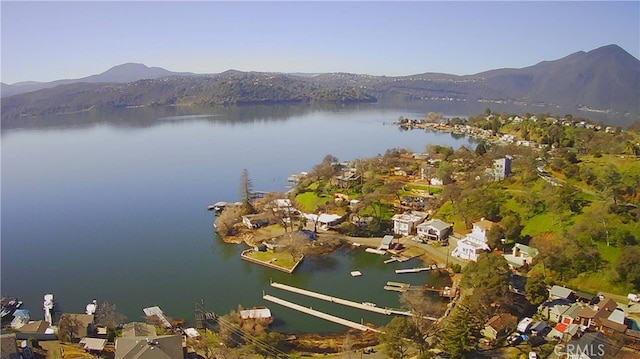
column 48, row 41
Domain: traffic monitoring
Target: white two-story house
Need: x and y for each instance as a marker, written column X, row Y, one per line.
column 475, row 242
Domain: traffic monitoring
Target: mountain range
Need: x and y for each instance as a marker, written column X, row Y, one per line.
column 606, row 79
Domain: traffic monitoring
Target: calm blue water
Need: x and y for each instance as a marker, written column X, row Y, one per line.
column 115, row 210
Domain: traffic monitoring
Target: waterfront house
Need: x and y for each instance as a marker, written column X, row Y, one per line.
column 93, row 345
column 405, row 224
column 259, row 314
column 499, row 326
column 151, row 347
column 38, row 329
column 20, row 318
column 85, row 327
column 559, row 292
column 324, row 220
column 521, row 255
column 434, row 230
column 138, row 329
column 475, row 242
column 255, row 221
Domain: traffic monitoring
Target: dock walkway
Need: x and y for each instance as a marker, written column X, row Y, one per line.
column 319, row 314
column 156, row 311
column 369, row 307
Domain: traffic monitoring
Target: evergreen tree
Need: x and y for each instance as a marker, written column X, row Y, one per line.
column 246, row 189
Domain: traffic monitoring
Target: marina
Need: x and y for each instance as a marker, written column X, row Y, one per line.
column 319, row 314
column 369, row 306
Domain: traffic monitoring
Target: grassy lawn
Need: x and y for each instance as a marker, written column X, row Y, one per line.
column 540, row 224
column 412, row 252
column 600, row 281
column 280, row 259
column 310, row 201
column 374, row 209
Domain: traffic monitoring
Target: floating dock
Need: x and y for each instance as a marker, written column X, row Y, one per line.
column 319, row 314
column 375, row 251
column 397, row 286
column 156, row 311
column 413, row 270
column 368, row 306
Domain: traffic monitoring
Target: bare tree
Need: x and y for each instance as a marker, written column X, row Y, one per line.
column 68, row 326
column 226, row 221
column 107, row 314
column 297, row 245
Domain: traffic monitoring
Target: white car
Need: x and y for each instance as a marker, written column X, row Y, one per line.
column 533, row 355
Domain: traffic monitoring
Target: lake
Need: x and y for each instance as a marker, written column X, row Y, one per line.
column 112, row 206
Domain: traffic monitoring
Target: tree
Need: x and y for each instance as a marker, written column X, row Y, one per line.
column 444, row 172
column 490, row 273
column 609, row 183
column 246, row 189
column 481, row 149
column 226, row 220
column 512, row 226
column 536, row 289
column 395, row 334
column 628, row 266
column 68, row 326
column 495, row 237
column 459, row 332
column 107, row 315
column 297, row 245
column 422, row 306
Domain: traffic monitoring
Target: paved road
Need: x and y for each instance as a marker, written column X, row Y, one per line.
column 440, row 254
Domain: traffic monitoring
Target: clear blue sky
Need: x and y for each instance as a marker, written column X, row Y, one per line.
column 45, row 41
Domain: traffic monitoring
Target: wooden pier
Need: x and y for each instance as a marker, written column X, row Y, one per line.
column 368, row 306
column 319, row 314
column 156, row 311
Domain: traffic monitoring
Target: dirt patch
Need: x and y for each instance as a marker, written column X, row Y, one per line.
column 334, row 343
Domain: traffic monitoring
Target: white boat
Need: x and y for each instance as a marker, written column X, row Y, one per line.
column 356, row 273
column 48, row 307
column 91, row 307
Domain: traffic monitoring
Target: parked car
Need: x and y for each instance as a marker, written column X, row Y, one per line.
column 515, row 339
column 533, row 355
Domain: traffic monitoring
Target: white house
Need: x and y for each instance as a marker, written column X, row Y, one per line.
column 434, row 230
column 521, row 255
column 501, row 168
column 324, row 220
column 404, row 224
column 475, row 242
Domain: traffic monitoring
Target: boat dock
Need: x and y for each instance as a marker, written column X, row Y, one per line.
column 413, row 270
column 397, row 286
column 368, row 307
column 375, row 251
column 156, row 311
column 319, row 314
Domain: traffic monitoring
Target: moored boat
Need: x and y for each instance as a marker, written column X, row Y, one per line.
column 9, row 305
